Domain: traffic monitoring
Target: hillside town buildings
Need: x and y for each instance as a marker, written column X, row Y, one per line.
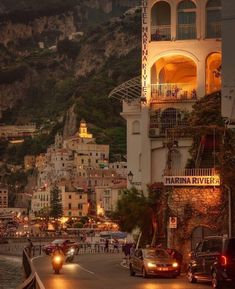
column 3, row 197
column 77, row 165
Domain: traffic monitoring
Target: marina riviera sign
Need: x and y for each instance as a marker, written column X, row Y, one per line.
column 192, row 181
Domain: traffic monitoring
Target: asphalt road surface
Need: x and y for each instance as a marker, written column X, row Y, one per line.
column 103, row 271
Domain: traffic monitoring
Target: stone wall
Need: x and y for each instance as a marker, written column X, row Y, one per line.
column 195, row 207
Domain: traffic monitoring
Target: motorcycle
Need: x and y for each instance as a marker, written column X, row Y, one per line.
column 57, row 263
column 69, row 256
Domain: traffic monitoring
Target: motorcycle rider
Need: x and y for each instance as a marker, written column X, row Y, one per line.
column 58, row 251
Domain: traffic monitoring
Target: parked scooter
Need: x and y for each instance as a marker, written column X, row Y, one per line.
column 69, row 256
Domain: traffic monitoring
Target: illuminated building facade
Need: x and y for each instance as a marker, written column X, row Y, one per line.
column 181, row 62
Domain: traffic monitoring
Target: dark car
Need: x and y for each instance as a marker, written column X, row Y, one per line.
column 63, row 244
column 213, row 260
column 153, row 262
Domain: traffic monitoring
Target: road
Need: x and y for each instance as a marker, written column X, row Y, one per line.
column 103, row 271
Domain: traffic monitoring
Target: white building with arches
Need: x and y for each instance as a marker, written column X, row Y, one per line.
column 181, row 62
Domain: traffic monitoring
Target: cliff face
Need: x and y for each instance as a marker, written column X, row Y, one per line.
column 55, row 27
column 42, row 72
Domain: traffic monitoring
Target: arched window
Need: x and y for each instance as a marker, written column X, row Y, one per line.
column 213, row 72
column 213, row 19
column 136, row 127
column 186, row 28
column 161, row 21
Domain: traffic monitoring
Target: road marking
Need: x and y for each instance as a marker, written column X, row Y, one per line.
column 86, row 270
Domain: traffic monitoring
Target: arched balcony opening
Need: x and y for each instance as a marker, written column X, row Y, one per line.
column 213, row 19
column 174, row 79
column 186, row 28
column 161, row 21
column 213, row 72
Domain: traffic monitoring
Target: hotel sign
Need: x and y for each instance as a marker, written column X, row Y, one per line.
column 192, row 181
column 145, row 33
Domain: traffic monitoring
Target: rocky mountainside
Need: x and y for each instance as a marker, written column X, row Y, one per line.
column 55, row 71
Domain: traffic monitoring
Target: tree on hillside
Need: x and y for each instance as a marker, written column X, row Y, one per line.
column 55, row 202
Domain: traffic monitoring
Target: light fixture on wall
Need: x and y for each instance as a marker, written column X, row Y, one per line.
column 130, row 177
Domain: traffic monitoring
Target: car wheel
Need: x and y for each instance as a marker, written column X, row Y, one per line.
column 191, row 277
column 144, row 273
column 132, row 272
column 216, row 283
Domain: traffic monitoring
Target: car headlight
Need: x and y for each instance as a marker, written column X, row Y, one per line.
column 72, row 250
column 151, row 265
column 175, row 265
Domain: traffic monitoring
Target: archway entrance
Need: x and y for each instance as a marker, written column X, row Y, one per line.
column 213, row 72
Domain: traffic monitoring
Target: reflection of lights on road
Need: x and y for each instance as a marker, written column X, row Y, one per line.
column 71, row 267
column 153, row 285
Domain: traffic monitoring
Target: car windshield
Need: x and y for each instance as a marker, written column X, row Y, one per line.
column 157, row 254
column 57, row 241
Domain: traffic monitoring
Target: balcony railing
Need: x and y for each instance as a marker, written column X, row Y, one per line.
column 192, row 172
column 186, row 31
column 161, row 33
column 214, row 30
column 173, row 92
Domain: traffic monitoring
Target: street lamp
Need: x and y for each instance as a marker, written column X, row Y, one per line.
column 130, row 177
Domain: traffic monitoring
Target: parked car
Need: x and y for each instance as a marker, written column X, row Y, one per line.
column 213, row 260
column 64, row 244
column 153, row 262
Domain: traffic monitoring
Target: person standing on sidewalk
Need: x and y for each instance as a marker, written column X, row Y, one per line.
column 30, row 248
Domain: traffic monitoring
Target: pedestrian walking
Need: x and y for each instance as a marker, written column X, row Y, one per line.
column 106, row 246
column 30, row 248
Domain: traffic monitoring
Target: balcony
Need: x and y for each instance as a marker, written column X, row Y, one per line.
column 161, row 33
column 192, row 172
column 214, row 30
column 186, row 31
column 173, row 92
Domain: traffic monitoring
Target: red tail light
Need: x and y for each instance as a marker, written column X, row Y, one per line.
column 223, row 260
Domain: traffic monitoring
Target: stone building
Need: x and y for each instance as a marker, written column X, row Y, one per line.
column 181, row 63
column 3, row 197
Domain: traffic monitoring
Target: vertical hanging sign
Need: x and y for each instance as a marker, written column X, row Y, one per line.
column 144, row 47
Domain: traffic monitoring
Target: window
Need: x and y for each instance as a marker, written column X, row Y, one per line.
column 186, row 28
column 79, row 206
column 70, row 196
column 136, row 127
column 161, row 21
column 213, row 19
column 70, row 206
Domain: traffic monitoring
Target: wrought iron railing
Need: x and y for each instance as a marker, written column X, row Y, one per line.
column 213, row 30
column 186, row 31
column 171, row 92
column 161, row 33
column 192, row 172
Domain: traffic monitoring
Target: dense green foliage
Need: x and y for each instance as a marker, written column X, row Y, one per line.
column 55, row 203
column 133, row 212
